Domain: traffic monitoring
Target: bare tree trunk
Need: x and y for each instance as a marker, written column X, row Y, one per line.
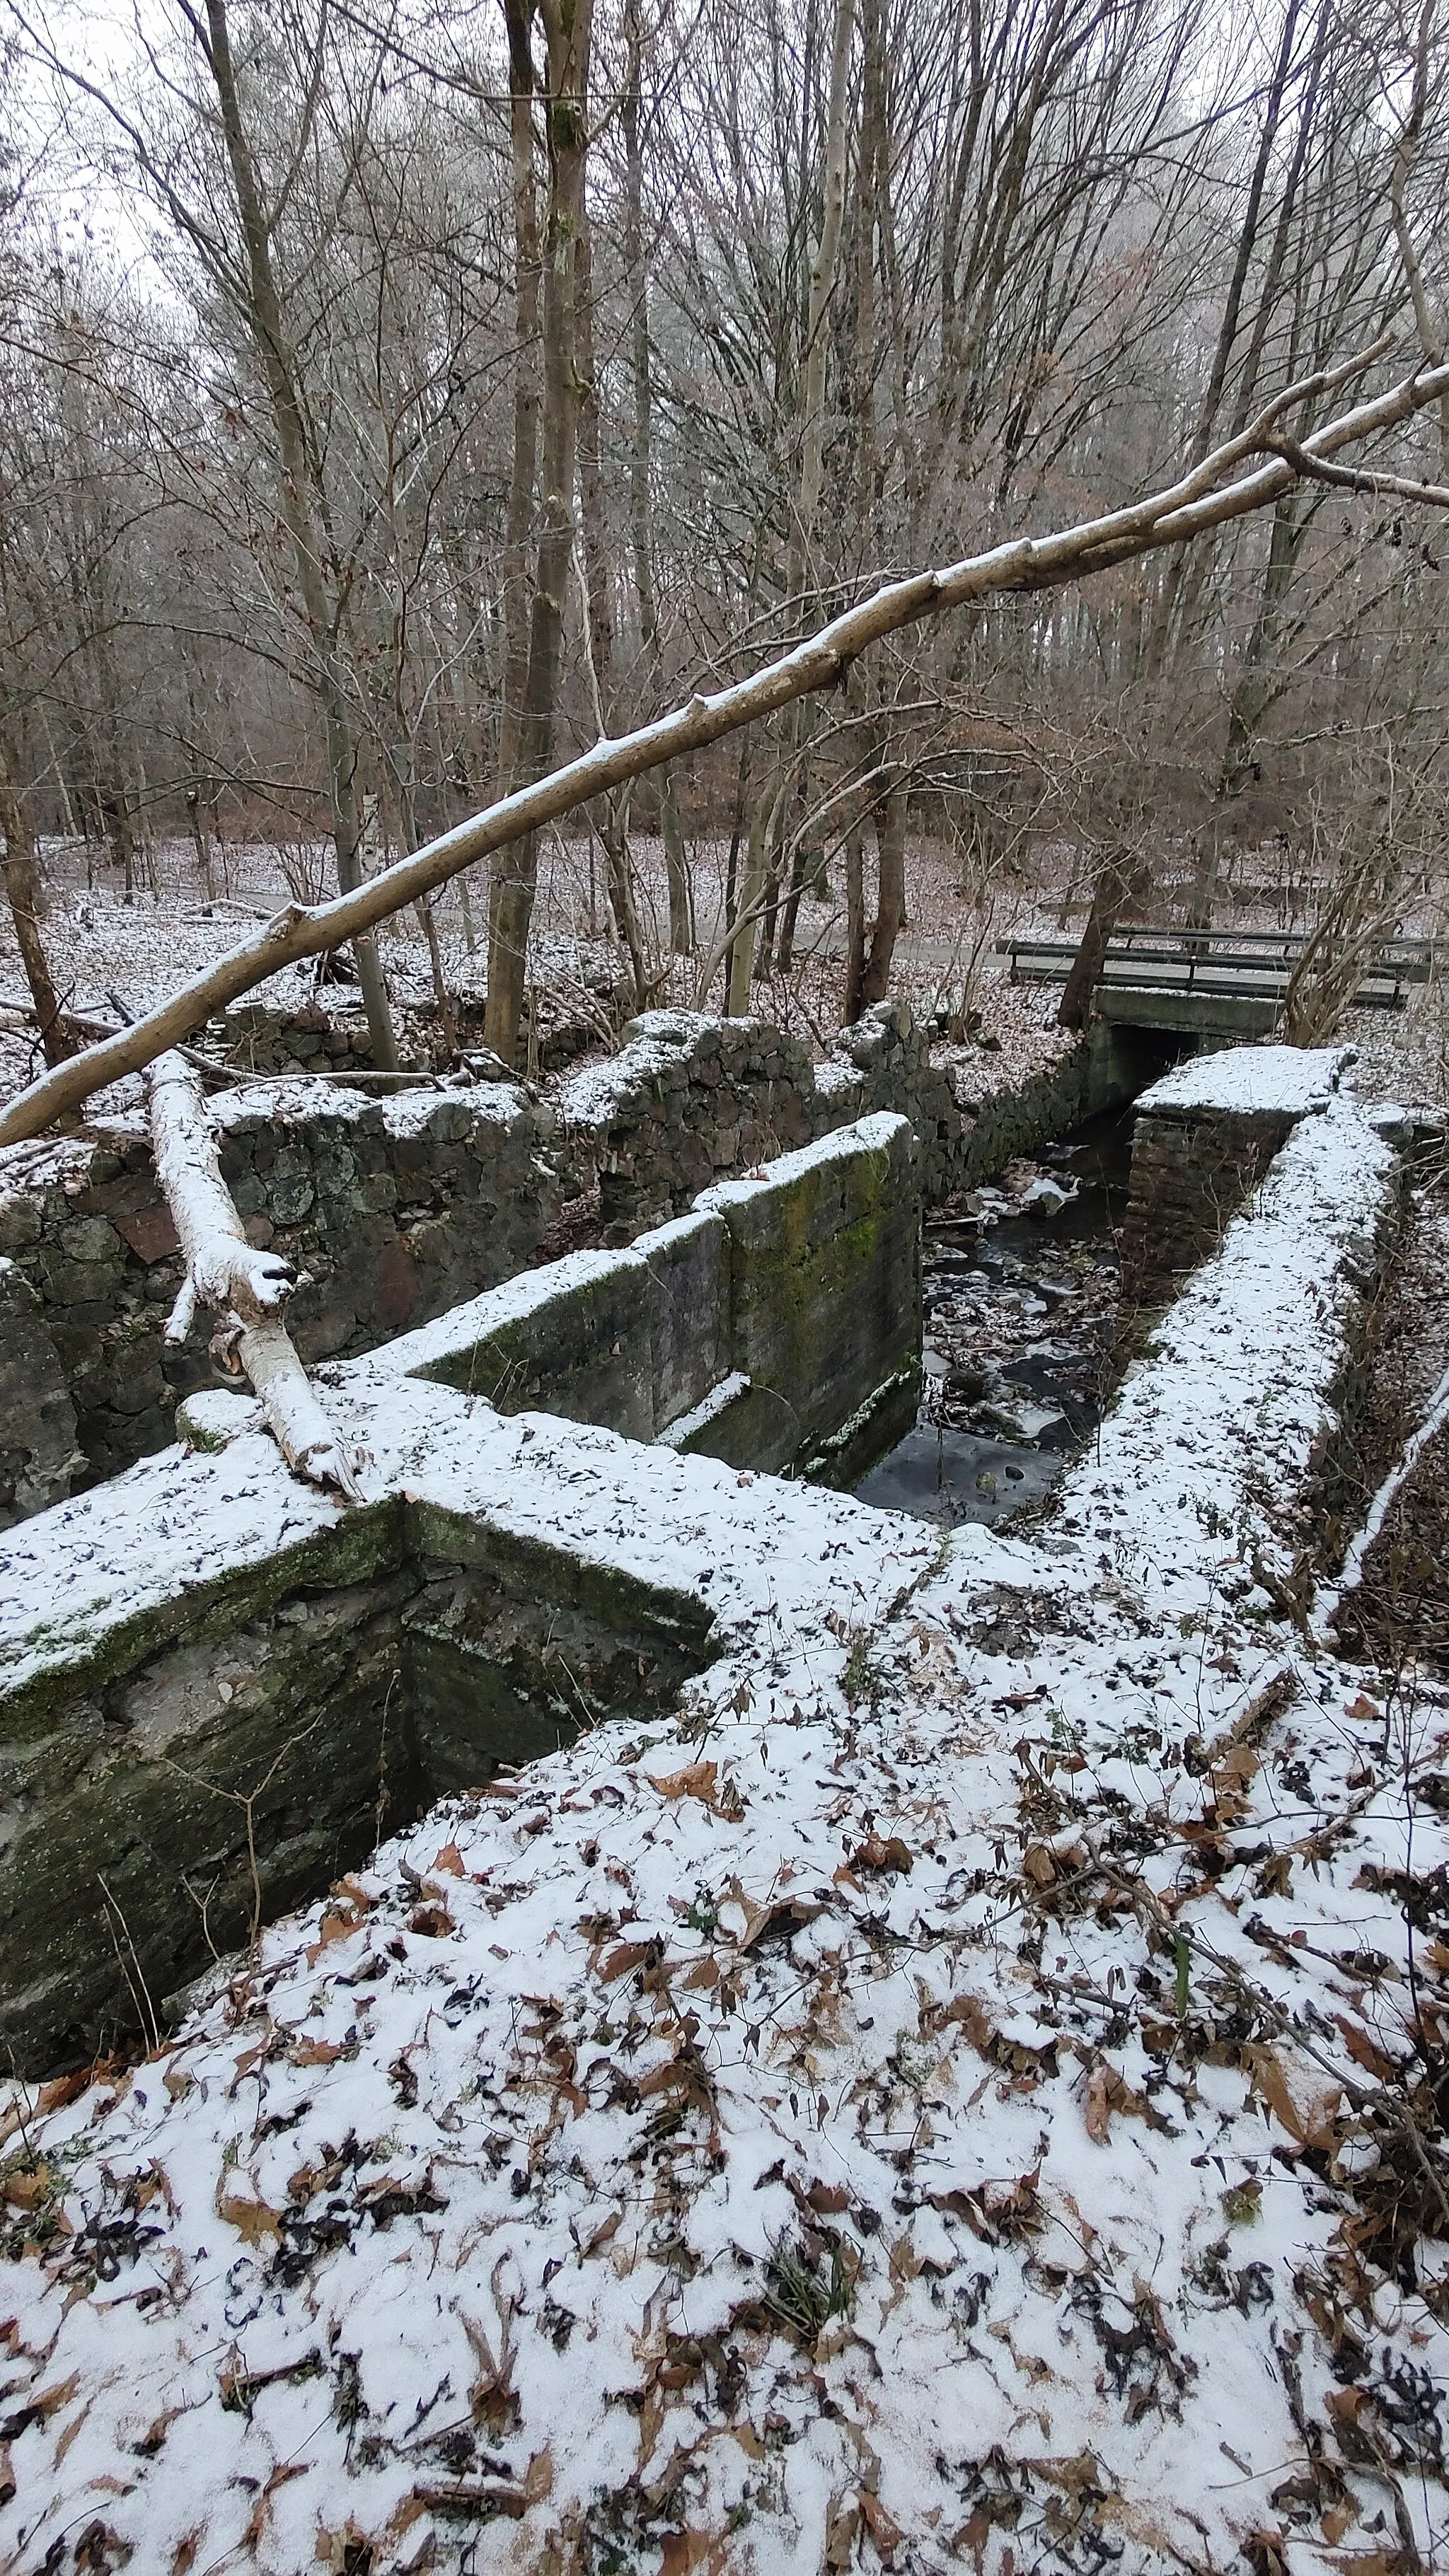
column 752, row 898
column 22, row 892
column 598, row 612
column 303, row 511
column 636, row 276
column 523, row 478
column 1428, row 320
column 854, row 926
column 567, row 27
column 1119, row 882
column 806, row 499
column 890, row 910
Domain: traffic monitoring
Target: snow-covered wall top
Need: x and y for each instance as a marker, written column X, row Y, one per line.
column 1288, row 1081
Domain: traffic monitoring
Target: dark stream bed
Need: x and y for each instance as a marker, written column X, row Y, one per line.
column 1019, row 1299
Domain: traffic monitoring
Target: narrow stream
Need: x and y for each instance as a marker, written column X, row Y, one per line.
column 1019, row 1301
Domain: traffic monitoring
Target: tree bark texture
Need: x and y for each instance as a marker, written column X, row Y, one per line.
column 567, row 29
column 22, row 893
column 303, row 502
column 641, row 515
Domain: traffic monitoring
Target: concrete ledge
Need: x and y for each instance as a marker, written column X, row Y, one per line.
column 207, row 1659
column 1205, row 1136
column 1203, row 1015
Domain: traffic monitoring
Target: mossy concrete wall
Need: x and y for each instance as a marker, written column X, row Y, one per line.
column 243, row 1732
column 793, row 1295
column 208, row 1765
column 398, row 1209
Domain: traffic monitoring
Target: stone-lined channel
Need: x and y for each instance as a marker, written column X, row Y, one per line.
column 1020, row 1318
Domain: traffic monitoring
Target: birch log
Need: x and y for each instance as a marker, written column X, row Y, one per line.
column 1200, row 499
column 245, row 1288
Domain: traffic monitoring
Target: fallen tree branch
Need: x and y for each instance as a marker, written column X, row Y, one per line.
column 245, row 1288
column 1359, row 478
column 1198, row 501
column 86, row 1024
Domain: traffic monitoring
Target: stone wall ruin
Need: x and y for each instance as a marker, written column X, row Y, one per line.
column 400, row 1208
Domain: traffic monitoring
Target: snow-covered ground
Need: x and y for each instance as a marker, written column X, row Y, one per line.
column 960, row 2094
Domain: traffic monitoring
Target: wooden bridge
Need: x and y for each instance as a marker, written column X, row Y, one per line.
column 1229, row 983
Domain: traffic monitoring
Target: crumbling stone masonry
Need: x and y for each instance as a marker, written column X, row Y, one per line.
column 1204, row 1138
column 206, row 1659
column 398, row 1209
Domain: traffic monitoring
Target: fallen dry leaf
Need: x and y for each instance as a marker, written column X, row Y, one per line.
column 318, row 2052
column 880, row 1854
column 252, row 2219
column 624, row 1956
column 1302, row 2100
column 334, row 1927
column 1366, row 2051
column 885, row 2531
column 696, row 1780
column 26, row 2190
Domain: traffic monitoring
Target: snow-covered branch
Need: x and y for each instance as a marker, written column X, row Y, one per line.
column 245, row 1288
column 1245, row 474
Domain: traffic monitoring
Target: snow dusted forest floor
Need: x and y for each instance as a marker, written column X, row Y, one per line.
column 101, row 947
column 967, row 2092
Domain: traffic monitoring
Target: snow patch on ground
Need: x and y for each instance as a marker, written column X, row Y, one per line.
column 945, row 2097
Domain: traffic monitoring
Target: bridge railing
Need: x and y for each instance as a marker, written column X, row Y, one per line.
column 1227, row 963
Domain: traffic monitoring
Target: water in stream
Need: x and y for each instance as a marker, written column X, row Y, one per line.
column 1019, row 1301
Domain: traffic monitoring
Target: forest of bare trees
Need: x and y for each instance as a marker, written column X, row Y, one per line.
column 393, row 401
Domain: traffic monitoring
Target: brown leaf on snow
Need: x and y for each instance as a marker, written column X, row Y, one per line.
column 183, row 2556
column 881, row 1854
column 775, row 1913
column 696, row 1780
column 1098, row 2110
column 970, row 2012
column 26, row 2190
column 828, row 2199
column 432, row 1922
column 7, row 2474
column 252, row 2219
column 885, row 2531
column 1232, row 1782
column 320, row 2052
column 603, row 2235
column 256, row 2522
column 996, row 2211
column 450, row 1860
column 61, row 2091
column 694, row 2553
column 1039, row 1865
column 617, row 1962
column 1303, row 2101
column 1365, row 2051
column 334, row 1927
column 50, row 2400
